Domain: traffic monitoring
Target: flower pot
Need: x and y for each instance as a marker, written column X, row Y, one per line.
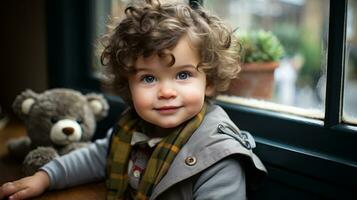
column 256, row 80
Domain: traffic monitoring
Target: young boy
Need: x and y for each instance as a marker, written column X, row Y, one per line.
column 166, row 61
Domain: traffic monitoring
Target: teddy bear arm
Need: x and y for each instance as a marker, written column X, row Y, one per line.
column 19, row 147
column 37, row 158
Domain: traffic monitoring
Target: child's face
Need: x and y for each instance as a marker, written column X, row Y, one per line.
column 167, row 96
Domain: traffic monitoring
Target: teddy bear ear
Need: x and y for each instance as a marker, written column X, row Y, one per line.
column 98, row 104
column 24, row 102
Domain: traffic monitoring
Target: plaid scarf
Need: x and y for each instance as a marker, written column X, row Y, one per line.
column 158, row 164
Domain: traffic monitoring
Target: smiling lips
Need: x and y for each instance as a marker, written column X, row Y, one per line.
column 166, row 110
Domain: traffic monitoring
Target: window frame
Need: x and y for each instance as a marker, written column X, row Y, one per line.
column 70, row 44
column 319, row 151
column 326, row 145
column 330, row 144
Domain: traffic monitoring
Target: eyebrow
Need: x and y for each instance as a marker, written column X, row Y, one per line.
column 176, row 67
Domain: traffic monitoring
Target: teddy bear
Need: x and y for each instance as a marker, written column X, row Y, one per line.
column 57, row 121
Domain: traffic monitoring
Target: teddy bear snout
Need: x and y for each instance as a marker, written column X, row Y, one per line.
column 65, row 131
column 68, row 131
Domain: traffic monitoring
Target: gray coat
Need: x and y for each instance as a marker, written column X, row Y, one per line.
column 216, row 163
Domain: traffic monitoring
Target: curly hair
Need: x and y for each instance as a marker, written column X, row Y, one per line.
column 154, row 28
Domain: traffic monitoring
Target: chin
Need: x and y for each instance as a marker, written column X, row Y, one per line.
column 168, row 125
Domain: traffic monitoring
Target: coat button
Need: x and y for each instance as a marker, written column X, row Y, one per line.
column 190, row 160
column 136, row 173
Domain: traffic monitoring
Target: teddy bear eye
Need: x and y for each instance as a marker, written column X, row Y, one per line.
column 79, row 121
column 54, row 119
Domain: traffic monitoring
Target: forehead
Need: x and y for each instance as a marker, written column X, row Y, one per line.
column 184, row 52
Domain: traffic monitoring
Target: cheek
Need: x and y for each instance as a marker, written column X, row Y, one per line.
column 194, row 95
column 140, row 103
column 140, row 97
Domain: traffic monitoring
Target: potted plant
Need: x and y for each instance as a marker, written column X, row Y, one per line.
column 261, row 53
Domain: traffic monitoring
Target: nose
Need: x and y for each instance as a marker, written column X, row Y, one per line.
column 68, row 131
column 167, row 92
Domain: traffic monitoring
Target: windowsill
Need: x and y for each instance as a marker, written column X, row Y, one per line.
column 266, row 105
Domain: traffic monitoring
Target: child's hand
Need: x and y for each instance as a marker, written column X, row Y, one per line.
column 26, row 187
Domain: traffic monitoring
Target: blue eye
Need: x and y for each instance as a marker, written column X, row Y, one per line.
column 148, row 79
column 183, row 75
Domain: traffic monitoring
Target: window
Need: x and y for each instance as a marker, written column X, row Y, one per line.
column 307, row 157
column 350, row 89
column 105, row 12
column 298, row 81
column 301, row 152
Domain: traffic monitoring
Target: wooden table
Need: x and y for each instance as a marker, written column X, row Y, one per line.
column 10, row 170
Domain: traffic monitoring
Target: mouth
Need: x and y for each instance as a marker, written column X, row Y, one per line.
column 62, row 141
column 167, row 109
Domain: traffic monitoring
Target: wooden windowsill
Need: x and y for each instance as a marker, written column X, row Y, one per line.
column 10, row 170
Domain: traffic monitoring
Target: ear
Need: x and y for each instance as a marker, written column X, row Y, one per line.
column 98, row 104
column 210, row 90
column 24, row 103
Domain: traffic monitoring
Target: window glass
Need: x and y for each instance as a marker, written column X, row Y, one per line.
column 295, row 81
column 350, row 90
column 105, row 11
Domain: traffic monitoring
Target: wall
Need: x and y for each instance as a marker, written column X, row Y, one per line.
column 23, row 53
